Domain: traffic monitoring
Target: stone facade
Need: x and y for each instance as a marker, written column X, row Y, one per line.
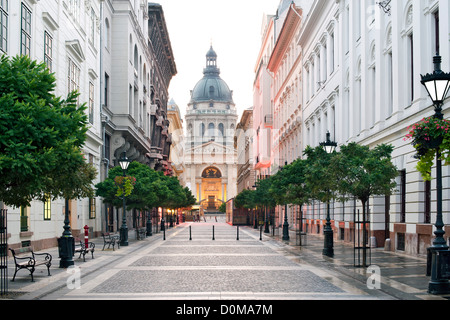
column 120, row 59
column 360, row 73
column 210, row 155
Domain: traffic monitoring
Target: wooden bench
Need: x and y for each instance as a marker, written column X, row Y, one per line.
column 30, row 261
column 83, row 250
column 141, row 233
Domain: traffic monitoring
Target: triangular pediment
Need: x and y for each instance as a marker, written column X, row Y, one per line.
column 76, row 50
column 212, row 147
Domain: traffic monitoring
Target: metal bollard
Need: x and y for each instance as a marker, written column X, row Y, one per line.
column 213, row 234
column 260, row 233
column 190, row 233
column 237, row 236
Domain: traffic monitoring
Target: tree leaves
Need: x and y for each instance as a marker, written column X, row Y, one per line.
column 355, row 171
column 152, row 189
column 41, row 136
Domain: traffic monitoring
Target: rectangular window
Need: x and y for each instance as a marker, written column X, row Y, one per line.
column 74, row 8
column 427, row 218
column 48, row 50
column 92, row 208
column 23, row 219
column 92, row 31
column 411, row 66
column 401, row 241
column 402, row 196
column 4, row 25
column 91, row 102
column 73, row 76
column 106, row 88
column 390, row 83
column 437, row 43
column 26, row 31
column 48, row 208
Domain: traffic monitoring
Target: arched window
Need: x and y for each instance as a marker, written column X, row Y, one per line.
column 107, row 33
column 136, row 65
column 221, row 129
column 202, row 129
column 211, row 128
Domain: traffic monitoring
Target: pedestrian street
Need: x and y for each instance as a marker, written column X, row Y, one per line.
column 219, row 262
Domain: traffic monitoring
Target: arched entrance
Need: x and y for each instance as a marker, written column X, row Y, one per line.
column 213, row 190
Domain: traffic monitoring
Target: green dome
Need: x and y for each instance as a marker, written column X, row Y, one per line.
column 211, row 86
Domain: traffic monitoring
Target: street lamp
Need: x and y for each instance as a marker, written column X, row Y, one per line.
column 330, row 147
column 285, row 224
column 386, row 6
column 438, row 85
column 124, row 163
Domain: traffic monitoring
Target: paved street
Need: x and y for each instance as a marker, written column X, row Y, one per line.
column 224, row 268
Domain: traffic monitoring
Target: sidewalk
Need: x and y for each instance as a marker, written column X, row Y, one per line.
column 402, row 276
column 23, row 288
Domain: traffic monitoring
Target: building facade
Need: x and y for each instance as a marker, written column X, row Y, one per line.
column 177, row 141
column 246, row 175
column 66, row 36
column 360, row 71
column 210, row 155
column 137, row 66
column 117, row 54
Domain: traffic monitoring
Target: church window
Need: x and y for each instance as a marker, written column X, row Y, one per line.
column 211, row 128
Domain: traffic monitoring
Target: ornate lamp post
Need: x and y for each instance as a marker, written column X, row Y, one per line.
column 437, row 85
column 124, row 163
column 66, row 243
column 285, row 224
column 330, row 147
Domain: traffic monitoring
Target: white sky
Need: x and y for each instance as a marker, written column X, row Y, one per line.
column 234, row 29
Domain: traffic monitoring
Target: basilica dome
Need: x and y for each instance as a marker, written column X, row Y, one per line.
column 211, row 87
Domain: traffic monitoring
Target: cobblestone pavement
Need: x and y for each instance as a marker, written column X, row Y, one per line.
column 192, row 265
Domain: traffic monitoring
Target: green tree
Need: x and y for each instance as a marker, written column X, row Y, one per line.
column 362, row 172
column 148, row 191
column 320, row 178
column 245, row 199
column 223, row 207
column 41, row 136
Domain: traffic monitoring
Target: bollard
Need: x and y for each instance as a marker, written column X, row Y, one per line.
column 86, row 236
column 213, row 233
column 237, row 236
column 260, row 233
column 190, row 233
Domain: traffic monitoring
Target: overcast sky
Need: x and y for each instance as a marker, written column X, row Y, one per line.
column 234, row 29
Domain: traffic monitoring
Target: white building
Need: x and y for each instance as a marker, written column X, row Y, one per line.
column 65, row 35
column 362, row 70
column 117, row 54
column 210, row 155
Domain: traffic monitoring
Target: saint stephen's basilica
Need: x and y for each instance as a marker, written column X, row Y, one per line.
column 210, row 155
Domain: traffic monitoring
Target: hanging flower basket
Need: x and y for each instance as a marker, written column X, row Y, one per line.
column 428, row 136
column 124, row 185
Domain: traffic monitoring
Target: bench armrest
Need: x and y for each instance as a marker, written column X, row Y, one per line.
column 31, row 260
column 48, row 256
